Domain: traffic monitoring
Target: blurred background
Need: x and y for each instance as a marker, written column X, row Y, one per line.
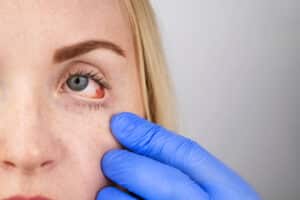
column 235, row 65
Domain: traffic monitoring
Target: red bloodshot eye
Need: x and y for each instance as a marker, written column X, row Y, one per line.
column 99, row 93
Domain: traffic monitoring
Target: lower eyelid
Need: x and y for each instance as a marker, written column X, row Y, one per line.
column 86, row 99
column 81, row 102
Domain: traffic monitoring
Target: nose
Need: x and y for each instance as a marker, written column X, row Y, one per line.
column 26, row 141
column 30, row 161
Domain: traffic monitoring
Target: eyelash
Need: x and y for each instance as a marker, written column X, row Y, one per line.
column 92, row 75
column 95, row 77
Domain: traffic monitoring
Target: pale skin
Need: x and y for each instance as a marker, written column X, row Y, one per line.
column 51, row 142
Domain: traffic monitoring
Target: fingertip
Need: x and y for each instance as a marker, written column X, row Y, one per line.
column 108, row 157
column 105, row 193
column 122, row 122
column 111, row 192
column 120, row 119
column 119, row 116
column 110, row 160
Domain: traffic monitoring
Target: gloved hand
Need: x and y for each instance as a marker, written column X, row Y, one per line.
column 162, row 165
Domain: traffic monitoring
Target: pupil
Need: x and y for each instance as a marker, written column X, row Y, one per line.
column 77, row 83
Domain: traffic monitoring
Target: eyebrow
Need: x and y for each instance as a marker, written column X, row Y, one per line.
column 74, row 50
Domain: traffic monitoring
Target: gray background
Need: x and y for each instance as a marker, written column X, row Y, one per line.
column 235, row 68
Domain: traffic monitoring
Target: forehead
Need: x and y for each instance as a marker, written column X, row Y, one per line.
column 61, row 22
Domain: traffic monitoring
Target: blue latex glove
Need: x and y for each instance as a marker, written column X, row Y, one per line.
column 162, row 165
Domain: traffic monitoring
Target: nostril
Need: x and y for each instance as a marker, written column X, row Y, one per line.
column 46, row 163
column 8, row 163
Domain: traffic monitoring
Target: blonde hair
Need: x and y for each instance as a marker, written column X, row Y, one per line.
column 158, row 94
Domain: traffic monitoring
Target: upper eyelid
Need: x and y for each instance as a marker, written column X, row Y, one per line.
column 71, row 68
column 68, row 68
column 102, row 79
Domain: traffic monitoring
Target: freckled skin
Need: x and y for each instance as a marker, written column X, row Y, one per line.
column 51, row 143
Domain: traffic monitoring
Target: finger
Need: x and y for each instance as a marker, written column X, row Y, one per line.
column 148, row 178
column 109, row 193
column 152, row 140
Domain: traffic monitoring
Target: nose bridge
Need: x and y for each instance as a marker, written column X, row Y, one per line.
column 27, row 110
column 26, row 142
column 23, row 103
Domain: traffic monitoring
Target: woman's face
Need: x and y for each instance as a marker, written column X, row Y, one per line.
column 58, row 93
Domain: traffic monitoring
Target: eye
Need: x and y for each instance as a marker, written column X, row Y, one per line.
column 86, row 84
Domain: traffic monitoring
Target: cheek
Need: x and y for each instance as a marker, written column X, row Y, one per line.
column 86, row 137
column 86, row 134
column 88, row 149
column 92, row 140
